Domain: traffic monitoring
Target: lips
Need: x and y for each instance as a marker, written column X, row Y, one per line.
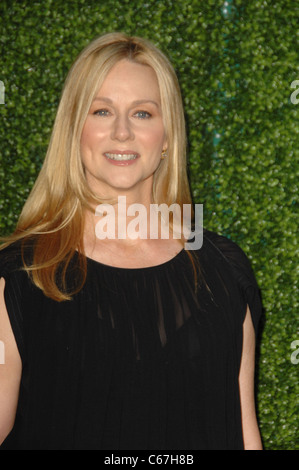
column 121, row 156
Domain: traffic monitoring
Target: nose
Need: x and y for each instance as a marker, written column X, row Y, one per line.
column 122, row 129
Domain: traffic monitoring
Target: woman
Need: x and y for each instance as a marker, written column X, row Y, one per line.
column 126, row 342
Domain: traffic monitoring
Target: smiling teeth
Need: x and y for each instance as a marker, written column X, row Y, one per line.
column 120, row 156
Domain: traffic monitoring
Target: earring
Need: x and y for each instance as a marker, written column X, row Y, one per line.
column 164, row 154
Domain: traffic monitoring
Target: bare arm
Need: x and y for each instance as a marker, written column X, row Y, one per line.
column 10, row 371
column 251, row 434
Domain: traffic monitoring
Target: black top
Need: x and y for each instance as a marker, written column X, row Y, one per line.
column 138, row 359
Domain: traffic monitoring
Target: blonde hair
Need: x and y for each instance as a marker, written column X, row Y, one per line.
column 52, row 217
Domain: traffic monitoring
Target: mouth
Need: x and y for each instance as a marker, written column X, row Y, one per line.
column 121, row 157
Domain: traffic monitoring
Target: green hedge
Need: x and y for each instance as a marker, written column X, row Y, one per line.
column 236, row 62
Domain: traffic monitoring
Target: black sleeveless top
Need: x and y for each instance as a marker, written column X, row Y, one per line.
column 138, row 359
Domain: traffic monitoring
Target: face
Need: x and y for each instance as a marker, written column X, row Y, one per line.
column 124, row 135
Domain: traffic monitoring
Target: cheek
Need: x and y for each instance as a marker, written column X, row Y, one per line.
column 156, row 139
column 87, row 145
column 91, row 135
column 87, row 136
column 85, row 140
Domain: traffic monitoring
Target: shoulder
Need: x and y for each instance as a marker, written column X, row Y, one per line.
column 12, row 263
column 13, row 272
column 11, row 259
column 231, row 252
column 226, row 247
column 229, row 259
column 14, row 290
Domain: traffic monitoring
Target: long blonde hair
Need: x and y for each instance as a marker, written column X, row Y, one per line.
column 52, row 217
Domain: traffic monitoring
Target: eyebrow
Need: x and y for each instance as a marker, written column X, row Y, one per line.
column 134, row 103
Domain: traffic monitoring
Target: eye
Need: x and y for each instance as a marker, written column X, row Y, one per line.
column 101, row 112
column 142, row 114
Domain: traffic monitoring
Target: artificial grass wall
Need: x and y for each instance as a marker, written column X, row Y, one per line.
column 237, row 63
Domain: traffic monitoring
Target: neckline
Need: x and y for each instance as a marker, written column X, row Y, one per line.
column 144, row 268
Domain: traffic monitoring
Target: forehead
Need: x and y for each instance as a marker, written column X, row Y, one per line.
column 130, row 80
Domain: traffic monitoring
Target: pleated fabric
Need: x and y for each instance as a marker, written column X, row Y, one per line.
column 139, row 359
